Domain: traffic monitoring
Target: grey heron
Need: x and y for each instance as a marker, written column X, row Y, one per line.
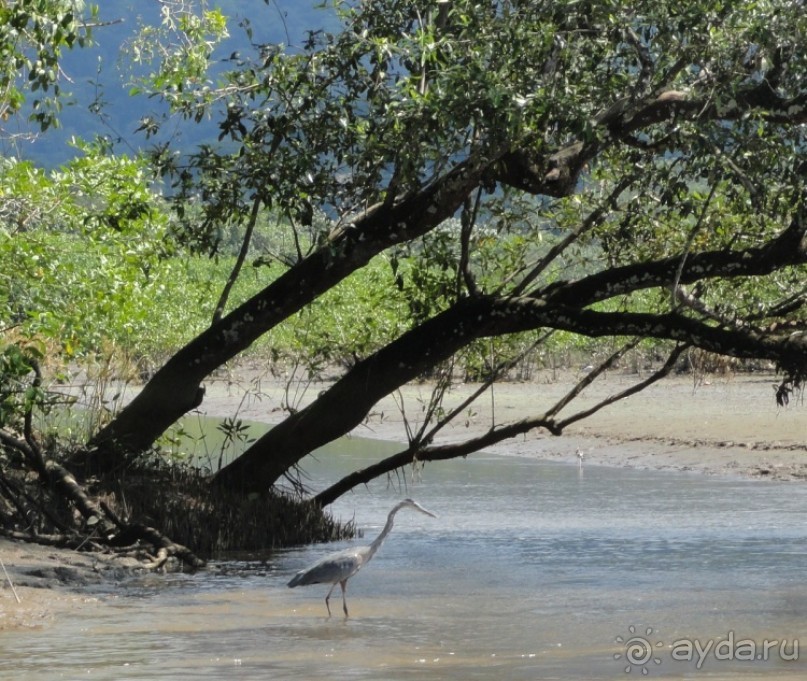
column 338, row 567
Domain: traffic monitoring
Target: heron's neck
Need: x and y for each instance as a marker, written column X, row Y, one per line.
column 381, row 537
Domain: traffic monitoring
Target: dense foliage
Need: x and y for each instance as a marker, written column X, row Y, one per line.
column 33, row 36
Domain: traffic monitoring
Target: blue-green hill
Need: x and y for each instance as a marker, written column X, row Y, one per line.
column 98, row 74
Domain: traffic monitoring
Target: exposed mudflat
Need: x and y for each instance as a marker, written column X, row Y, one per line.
column 721, row 425
column 41, row 583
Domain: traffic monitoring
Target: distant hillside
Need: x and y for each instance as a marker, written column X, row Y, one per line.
column 283, row 21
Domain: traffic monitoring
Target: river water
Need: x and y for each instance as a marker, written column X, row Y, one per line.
column 533, row 570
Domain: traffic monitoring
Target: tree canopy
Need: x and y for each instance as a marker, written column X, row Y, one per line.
column 633, row 172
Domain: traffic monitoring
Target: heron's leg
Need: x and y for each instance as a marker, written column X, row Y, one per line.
column 343, row 584
column 328, row 598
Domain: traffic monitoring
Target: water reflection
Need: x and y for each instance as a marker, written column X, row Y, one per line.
column 532, row 571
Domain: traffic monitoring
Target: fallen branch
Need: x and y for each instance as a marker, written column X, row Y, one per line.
column 62, row 541
column 107, row 529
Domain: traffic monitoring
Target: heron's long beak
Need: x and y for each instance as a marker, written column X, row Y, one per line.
column 423, row 510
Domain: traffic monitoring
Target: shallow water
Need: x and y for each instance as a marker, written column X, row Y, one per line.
column 532, row 571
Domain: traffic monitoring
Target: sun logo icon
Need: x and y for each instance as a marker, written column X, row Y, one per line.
column 638, row 651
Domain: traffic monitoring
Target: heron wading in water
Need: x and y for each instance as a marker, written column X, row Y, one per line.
column 338, row 567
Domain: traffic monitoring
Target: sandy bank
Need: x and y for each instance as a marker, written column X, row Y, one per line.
column 723, row 425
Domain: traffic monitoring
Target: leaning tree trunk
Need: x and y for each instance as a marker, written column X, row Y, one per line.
column 562, row 306
column 176, row 388
column 345, row 405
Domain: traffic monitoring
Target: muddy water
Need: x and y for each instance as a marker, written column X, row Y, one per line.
column 532, row 571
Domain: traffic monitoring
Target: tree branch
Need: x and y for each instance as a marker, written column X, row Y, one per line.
column 788, row 350
column 239, row 261
column 493, row 436
column 175, row 388
column 556, row 174
column 789, row 248
column 663, row 372
column 593, row 219
column 589, row 379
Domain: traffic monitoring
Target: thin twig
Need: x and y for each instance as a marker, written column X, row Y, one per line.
column 497, row 371
column 469, row 216
column 589, row 378
column 239, row 263
column 638, row 387
column 10, row 583
column 690, row 240
column 435, row 403
column 593, row 219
